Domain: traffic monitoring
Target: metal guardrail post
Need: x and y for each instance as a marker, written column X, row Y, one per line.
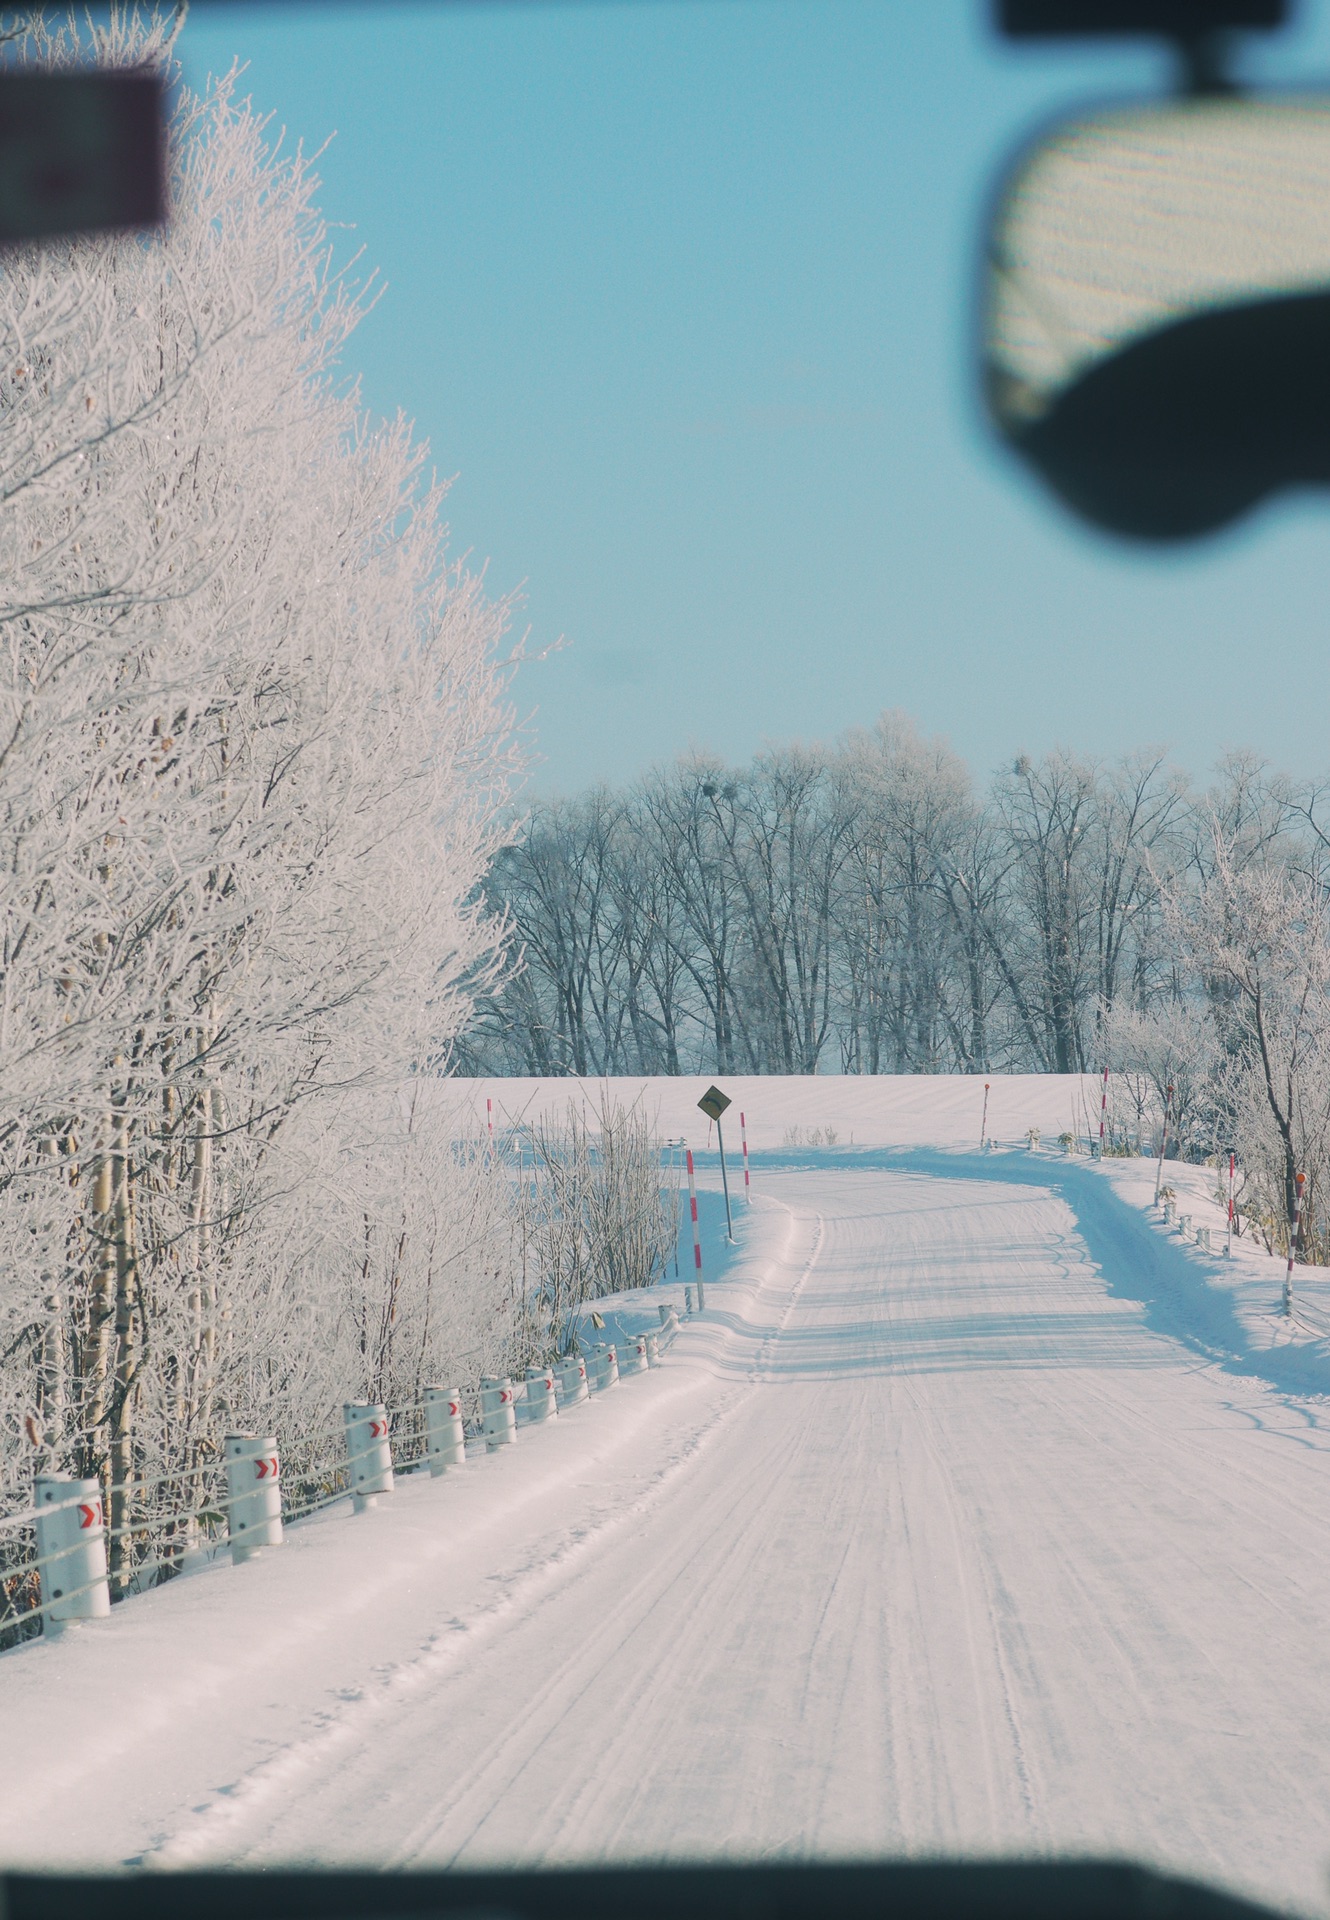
column 445, row 1439
column 71, row 1550
column 540, row 1401
column 498, row 1415
column 254, row 1496
column 368, row 1452
column 633, row 1356
column 573, row 1380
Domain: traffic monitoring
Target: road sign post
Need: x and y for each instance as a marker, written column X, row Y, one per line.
column 713, row 1104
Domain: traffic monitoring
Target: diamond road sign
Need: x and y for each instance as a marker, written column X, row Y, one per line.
column 713, row 1103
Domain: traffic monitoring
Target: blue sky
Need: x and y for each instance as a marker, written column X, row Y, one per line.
column 681, row 293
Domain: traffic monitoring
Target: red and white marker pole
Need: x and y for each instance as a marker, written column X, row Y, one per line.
column 1103, row 1113
column 489, row 1117
column 743, row 1137
column 697, row 1237
column 1232, row 1161
column 983, row 1124
column 1294, row 1229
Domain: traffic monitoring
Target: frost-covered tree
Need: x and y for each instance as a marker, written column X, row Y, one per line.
column 911, row 820
column 1258, row 935
column 1165, row 1057
column 253, row 751
column 857, row 900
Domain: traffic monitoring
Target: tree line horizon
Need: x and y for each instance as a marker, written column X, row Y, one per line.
column 862, row 907
column 859, row 908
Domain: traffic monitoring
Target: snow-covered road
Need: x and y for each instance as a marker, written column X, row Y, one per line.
column 928, row 1539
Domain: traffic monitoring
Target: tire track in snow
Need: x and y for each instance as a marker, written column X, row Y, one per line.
column 242, row 1816
column 972, row 1558
column 214, row 1830
column 983, row 1617
column 975, row 1570
column 720, row 1554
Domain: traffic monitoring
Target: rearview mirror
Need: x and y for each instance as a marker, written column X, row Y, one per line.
column 1156, row 318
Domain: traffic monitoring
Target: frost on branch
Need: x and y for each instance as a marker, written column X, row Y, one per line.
column 253, row 744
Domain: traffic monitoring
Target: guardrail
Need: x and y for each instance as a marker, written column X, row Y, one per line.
column 67, row 1569
column 1167, row 1208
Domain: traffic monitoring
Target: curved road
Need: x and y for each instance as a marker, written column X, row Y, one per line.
column 926, row 1542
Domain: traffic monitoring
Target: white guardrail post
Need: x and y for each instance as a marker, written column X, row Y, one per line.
column 541, row 1404
column 498, row 1415
column 71, row 1550
column 606, row 1363
column 573, row 1380
column 445, row 1440
column 651, row 1341
column 253, row 1494
column 369, row 1456
column 633, row 1356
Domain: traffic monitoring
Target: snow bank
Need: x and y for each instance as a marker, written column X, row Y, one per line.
column 213, row 1695
column 1226, row 1309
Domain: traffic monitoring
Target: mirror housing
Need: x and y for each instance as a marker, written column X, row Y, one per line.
column 1156, row 311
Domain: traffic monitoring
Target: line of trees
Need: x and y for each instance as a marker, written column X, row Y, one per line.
column 855, row 909
column 256, row 756
column 260, row 881
column 862, row 909
column 254, row 750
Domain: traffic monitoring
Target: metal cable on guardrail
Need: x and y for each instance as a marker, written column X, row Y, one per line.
column 65, row 1576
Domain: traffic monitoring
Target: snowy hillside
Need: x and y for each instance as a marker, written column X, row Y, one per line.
column 885, row 1110
column 978, row 1512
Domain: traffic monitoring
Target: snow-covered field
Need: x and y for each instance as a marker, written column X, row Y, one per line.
column 978, row 1513
column 885, row 1110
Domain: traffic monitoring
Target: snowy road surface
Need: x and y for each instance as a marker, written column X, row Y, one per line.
column 928, row 1538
